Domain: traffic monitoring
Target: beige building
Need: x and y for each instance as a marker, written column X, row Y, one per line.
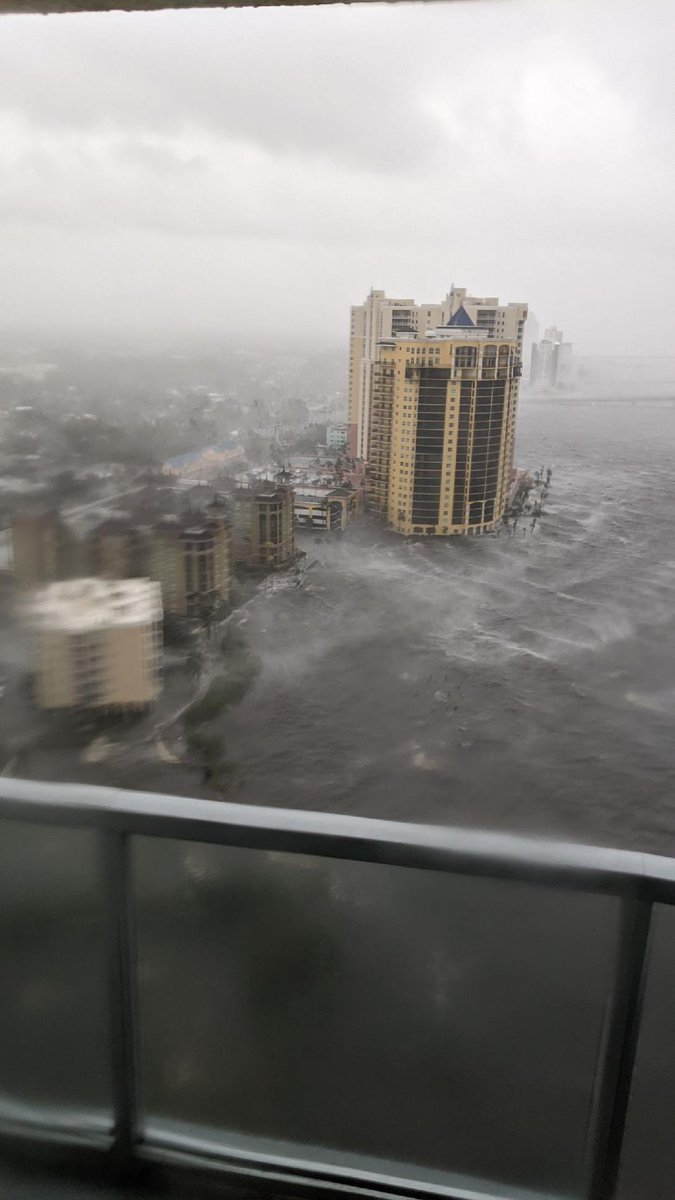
column 97, row 643
column 264, row 533
column 191, row 557
column 114, row 550
column 206, row 546
column 442, row 422
column 44, row 549
column 166, row 564
column 381, row 318
column 189, row 554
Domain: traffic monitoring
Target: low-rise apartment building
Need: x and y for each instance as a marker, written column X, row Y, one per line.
column 264, row 534
column 97, row 644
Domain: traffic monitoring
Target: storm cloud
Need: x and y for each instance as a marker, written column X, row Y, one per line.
column 237, row 172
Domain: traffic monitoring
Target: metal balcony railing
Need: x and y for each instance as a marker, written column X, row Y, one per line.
column 313, row 1003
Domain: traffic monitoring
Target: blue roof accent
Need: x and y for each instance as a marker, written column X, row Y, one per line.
column 460, row 319
column 183, row 460
column 192, row 456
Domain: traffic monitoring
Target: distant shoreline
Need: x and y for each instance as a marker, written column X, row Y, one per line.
column 569, row 398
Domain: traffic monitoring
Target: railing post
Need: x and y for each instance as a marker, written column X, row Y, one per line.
column 620, row 1049
column 120, row 957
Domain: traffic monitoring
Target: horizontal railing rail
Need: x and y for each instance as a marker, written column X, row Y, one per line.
column 638, row 881
column 626, row 873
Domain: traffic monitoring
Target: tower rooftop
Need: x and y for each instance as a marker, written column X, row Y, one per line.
column 461, row 320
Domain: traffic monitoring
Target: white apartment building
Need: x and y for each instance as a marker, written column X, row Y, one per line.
column 380, row 318
column 337, row 437
column 551, row 362
column 97, row 643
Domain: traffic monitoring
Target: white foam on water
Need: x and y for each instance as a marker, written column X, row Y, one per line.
column 658, row 702
column 423, row 762
column 564, row 641
column 552, row 591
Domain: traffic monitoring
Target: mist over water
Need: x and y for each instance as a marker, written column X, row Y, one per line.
column 522, row 682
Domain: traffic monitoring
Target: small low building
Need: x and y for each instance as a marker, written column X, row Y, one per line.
column 97, row 644
column 326, row 508
column 320, row 508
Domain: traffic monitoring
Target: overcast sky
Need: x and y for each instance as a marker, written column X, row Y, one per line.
column 257, row 170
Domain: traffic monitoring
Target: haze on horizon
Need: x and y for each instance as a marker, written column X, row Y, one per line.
column 251, row 173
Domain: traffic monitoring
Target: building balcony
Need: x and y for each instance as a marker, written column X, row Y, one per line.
column 244, row 1000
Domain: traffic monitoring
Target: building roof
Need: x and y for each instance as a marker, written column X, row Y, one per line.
column 320, row 493
column 264, row 490
column 88, row 605
column 461, row 320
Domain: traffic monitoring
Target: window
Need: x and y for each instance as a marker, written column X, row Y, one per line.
column 186, row 246
column 465, row 356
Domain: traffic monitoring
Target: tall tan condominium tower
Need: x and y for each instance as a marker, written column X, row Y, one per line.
column 442, row 421
column 97, row 643
column 381, row 317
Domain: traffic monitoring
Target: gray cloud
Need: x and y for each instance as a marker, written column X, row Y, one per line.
column 184, row 170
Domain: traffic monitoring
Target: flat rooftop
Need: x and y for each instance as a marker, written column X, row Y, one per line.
column 85, row 605
column 320, row 493
column 265, row 490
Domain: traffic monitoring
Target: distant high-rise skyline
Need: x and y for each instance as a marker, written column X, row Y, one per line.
column 551, row 361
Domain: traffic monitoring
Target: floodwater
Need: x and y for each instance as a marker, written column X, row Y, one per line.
column 522, row 682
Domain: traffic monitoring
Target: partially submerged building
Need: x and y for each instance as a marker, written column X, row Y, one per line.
column 263, row 517
column 326, row 508
column 97, row 643
column 187, row 550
